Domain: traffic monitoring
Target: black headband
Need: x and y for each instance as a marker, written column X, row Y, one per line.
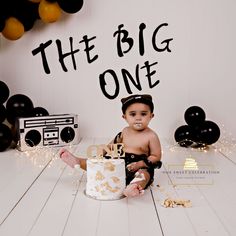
column 144, row 98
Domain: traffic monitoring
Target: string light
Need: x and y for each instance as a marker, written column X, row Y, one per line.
column 226, row 144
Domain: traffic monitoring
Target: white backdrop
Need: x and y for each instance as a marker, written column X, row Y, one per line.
column 199, row 70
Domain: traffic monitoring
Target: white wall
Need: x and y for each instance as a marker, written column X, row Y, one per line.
column 199, row 70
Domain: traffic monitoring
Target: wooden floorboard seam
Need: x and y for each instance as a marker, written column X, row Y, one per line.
column 25, row 192
column 45, row 203
column 72, row 204
column 158, row 218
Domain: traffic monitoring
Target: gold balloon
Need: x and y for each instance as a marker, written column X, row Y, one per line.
column 13, row 29
column 49, row 12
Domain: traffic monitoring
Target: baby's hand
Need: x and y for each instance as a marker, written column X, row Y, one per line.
column 133, row 167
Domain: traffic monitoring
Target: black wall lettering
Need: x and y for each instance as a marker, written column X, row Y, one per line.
column 63, row 56
column 41, row 49
column 123, row 39
column 124, row 44
column 103, row 83
column 142, row 26
column 127, row 76
column 167, row 41
column 88, row 48
column 150, row 73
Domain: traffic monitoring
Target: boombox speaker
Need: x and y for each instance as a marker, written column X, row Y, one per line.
column 53, row 130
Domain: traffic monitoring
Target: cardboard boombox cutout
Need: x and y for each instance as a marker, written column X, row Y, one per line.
column 53, row 130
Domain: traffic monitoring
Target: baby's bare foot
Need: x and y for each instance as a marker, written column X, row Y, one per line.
column 133, row 190
column 68, row 158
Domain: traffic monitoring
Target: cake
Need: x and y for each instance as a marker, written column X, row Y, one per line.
column 105, row 178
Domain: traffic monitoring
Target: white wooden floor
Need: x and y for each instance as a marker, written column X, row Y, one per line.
column 40, row 195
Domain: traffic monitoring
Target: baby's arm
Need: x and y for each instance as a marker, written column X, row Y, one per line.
column 155, row 148
column 153, row 160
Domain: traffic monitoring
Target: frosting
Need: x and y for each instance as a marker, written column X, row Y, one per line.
column 105, row 178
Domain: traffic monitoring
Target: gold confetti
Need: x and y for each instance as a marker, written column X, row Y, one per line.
column 176, row 202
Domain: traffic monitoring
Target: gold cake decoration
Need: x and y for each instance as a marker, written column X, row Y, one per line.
column 109, row 188
column 115, row 179
column 99, row 176
column 109, row 166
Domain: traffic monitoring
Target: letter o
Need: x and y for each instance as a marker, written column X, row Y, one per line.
column 103, row 83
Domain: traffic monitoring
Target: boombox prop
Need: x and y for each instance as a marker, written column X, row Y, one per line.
column 53, row 130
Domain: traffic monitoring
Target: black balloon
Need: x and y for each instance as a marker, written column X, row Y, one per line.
column 39, row 111
column 184, row 135
column 207, row 133
column 18, row 105
column 194, row 115
column 5, row 137
column 4, row 92
column 3, row 15
column 15, row 133
column 70, row 6
column 27, row 14
column 2, row 23
column 2, row 113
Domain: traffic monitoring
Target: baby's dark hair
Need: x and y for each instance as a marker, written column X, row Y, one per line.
column 138, row 98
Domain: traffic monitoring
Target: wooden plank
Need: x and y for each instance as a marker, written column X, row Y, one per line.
column 93, row 217
column 52, row 217
column 55, row 203
column 10, row 165
column 26, row 212
column 113, row 218
column 33, row 202
column 221, row 196
column 61, row 200
column 84, row 215
column 19, row 177
column 143, row 219
column 135, row 216
column 227, row 148
column 174, row 221
column 230, row 156
column 13, row 163
column 205, row 217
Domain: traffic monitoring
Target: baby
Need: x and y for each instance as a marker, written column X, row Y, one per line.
column 141, row 145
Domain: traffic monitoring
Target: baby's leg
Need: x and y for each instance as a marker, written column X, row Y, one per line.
column 71, row 159
column 138, row 184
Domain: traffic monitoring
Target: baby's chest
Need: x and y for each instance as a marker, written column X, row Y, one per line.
column 137, row 143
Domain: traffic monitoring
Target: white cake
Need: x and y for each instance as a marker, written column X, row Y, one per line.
column 105, row 178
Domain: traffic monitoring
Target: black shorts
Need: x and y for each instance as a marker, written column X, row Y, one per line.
column 130, row 158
